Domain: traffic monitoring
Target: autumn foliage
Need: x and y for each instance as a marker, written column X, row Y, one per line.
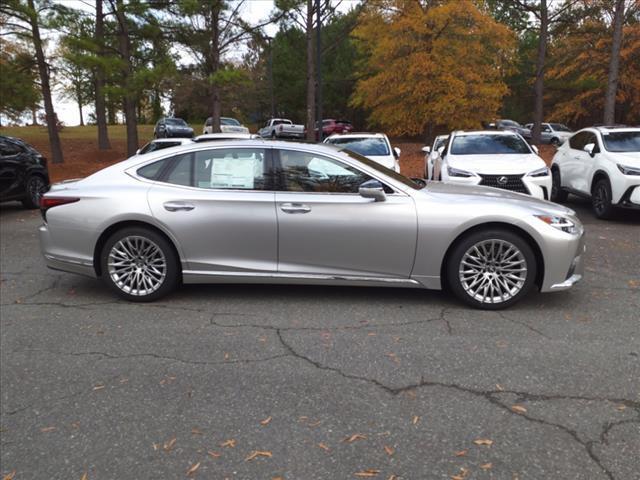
column 441, row 63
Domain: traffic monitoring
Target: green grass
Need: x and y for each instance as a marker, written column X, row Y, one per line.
column 88, row 132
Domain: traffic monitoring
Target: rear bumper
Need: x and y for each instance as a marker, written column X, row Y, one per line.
column 57, row 261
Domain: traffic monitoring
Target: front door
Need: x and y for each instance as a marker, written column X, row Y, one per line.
column 326, row 228
column 219, row 206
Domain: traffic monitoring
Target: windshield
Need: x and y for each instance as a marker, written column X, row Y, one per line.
column 364, row 146
column 622, row 141
column 509, row 123
column 558, row 127
column 229, row 121
column 488, row 144
column 175, row 121
column 382, row 169
column 282, row 122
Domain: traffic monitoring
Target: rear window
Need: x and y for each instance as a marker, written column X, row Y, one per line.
column 367, row 146
column 154, row 146
column 229, row 121
column 152, row 170
column 488, row 144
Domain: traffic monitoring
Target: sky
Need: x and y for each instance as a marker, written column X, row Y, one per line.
column 253, row 11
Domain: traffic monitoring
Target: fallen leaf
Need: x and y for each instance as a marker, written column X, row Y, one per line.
column 633, row 283
column 229, row 443
column 169, row 445
column 415, row 420
column 265, row 421
column 213, row 454
column 314, row 424
column 226, row 356
column 256, row 454
column 393, row 357
column 193, row 469
column 462, row 475
column 195, row 431
column 367, row 473
column 499, row 387
column 156, row 446
column 483, row 441
column 393, row 477
column 390, row 451
column 85, row 476
column 460, row 453
column 47, row 429
column 621, row 408
column 9, row 476
column 323, row 446
column 372, row 334
column 519, row 409
column 98, row 387
column 486, row 466
column 355, row 437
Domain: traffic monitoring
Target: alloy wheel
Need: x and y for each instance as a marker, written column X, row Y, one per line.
column 493, row 271
column 137, row 265
column 600, row 199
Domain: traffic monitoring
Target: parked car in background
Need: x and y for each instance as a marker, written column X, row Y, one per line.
column 23, row 172
column 333, row 127
column 207, row 137
column 375, row 146
column 172, row 127
column 281, row 128
column 430, row 153
column 600, row 163
column 552, row 133
column 161, row 143
column 227, row 125
column 499, row 159
column 510, row 126
column 242, row 211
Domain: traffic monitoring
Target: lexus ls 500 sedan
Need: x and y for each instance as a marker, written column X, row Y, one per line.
column 253, row 211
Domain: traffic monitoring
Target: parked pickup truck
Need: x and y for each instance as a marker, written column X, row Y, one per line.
column 281, row 128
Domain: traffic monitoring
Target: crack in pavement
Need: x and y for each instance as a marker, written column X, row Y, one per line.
column 523, row 324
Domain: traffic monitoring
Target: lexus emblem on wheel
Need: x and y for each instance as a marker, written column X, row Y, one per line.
column 503, row 180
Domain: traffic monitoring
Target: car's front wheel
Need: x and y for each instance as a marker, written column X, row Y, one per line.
column 601, row 199
column 35, row 186
column 139, row 264
column 557, row 193
column 555, row 142
column 491, row 269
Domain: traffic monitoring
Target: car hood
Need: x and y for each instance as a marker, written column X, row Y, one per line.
column 497, row 164
column 629, row 159
column 386, row 160
column 470, row 192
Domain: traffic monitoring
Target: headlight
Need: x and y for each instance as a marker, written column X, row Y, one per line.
column 561, row 223
column 541, row 172
column 628, row 170
column 454, row 172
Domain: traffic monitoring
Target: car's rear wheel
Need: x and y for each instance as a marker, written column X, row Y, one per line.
column 557, row 193
column 491, row 269
column 34, row 188
column 555, row 142
column 601, row 199
column 139, row 264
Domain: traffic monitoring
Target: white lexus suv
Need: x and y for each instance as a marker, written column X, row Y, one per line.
column 601, row 163
column 500, row 159
column 375, row 146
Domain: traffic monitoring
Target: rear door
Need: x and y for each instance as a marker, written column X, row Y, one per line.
column 219, row 205
column 326, row 228
column 580, row 163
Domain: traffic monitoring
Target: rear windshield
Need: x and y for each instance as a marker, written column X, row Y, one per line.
column 364, row 146
column 154, row 146
column 488, row 144
column 622, row 141
column 229, row 121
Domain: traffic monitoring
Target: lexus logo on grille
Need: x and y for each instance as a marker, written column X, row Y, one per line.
column 503, row 180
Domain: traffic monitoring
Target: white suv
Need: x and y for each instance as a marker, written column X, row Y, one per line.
column 499, row 159
column 601, row 163
column 375, row 146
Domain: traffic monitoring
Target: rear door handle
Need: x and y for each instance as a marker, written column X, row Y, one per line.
column 295, row 208
column 178, row 206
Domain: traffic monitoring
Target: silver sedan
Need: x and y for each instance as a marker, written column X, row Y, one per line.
column 252, row 211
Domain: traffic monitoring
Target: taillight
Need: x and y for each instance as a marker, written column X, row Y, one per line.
column 49, row 202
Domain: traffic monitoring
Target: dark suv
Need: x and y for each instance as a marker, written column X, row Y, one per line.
column 172, row 127
column 23, row 172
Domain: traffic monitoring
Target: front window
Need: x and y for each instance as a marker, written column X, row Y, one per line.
column 175, row 121
column 622, row 141
column 230, row 121
column 489, row 145
column 372, row 146
column 559, row 127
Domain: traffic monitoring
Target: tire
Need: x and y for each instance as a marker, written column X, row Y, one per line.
column 555, row 142
column 489, row 246
column 601, row 199
column 155, row 253
column 273, row 135
column 557, row 193
column 34, row 187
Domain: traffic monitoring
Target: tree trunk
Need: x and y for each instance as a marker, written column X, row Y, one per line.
column 614, row 65
column 538, row 87
column 311, row 78
column 129, row 101
column 34, row 116
column 216, row 108
column 54, row 139
column 101, row 116
column 80, row 111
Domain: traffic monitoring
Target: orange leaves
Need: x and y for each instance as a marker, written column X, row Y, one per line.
column 10, row 475
column 323, row 446
column 355, row 437
column 369, row 473
column 258, row 453
column 483, row 441
column 228, row 443
column 266, row 421
column 168, row 446
column 193, row 468
column 518, row 409
column 389, row 450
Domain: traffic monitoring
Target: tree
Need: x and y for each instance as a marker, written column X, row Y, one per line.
column 614, row 63
column 441, row 63
column 18, row 81
column 99, row 80
column 76, row 85
column 25, row 21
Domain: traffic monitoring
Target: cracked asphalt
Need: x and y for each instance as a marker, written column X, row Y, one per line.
column 324, row 383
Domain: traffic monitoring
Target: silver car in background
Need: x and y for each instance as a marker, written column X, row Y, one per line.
column 252, row 211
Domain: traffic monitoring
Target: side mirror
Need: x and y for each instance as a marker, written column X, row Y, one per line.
column 589, row 148
column 372, row 189
column 535, row 149
column 396, row 152
column 426, row 149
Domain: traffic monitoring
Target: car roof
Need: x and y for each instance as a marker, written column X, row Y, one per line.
column 225, row 136
column 170, row 140
column 483, row 132
column 358, row 135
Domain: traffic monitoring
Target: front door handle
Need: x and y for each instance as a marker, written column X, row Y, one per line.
column 178, row 206
column 295, row 208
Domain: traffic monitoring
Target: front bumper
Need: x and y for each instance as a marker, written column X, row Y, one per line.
column 561, row 274
column 537, row 187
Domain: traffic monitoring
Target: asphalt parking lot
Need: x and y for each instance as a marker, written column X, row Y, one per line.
column 266, row 382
